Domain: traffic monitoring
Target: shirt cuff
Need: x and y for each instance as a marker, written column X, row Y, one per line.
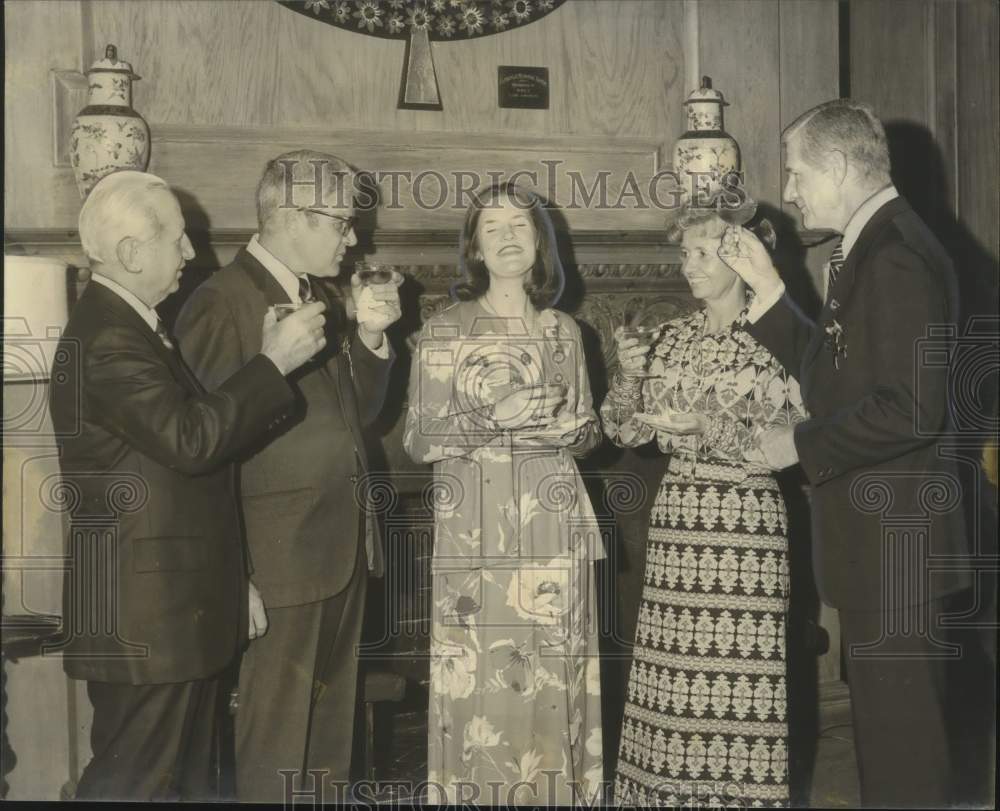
column 761, row 304
column 383, row 348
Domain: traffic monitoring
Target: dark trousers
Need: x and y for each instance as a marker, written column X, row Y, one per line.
column 897, row 682
column 297, row 697
column 152, row 742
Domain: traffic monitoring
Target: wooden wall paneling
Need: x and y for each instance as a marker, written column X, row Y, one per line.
column 255, row 63
column 809, row 64
column 38, row 38
column 623, row 84
column 201, row 62
column 219, row 167
column 978, row 125
column 889, row 57
column 337, row 78
column 943, row 100
column 738, row 48
column 467, row 76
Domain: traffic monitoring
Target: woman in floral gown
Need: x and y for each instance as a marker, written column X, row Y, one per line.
column 705, row 714
column 500, row 404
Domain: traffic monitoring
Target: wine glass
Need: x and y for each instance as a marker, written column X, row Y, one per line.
column 369, row 273
column 645, row 335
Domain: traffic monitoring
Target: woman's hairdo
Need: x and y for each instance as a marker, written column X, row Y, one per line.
column 546, row 280
column 729, row 206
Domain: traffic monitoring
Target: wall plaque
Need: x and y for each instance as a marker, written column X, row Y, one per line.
column 523, row 88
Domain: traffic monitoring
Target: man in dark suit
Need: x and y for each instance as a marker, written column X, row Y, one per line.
column 303, row 491
column 887, row 527
column 155, row 598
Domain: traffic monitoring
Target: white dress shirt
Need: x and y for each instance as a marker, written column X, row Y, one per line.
column 289, row 281
column 852, row 231
column 146, row 313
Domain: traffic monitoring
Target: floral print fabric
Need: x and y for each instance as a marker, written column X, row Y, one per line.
column 515, row 688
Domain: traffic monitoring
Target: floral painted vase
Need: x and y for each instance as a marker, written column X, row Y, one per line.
column 706, row 153
column 108, row 134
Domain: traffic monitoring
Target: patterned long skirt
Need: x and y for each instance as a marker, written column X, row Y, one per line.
column 705, row 714
column 515, row 696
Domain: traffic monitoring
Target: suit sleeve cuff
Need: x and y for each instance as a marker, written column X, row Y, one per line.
column 382, row 353
column 817, row 470
column 761, row 304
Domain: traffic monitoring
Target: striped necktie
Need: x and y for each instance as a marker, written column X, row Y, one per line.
column 836, row 264
column 161, row 333
column 305, row 289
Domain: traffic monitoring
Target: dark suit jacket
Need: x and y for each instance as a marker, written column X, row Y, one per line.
column 157, row 586
column 870, row 449
column 301, row 511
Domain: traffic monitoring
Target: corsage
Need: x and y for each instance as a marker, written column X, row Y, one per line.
column 836, row 341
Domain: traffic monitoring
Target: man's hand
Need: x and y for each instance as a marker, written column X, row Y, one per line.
column 297, row 337
column 533, row 405
column 675, row 422
column 258, row 616
column 377, row 306
column 775, row 448
column 746, row 255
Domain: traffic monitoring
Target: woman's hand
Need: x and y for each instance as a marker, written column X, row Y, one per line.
column 536, row 406
column 632, row 354
column 565, row 430
column 675, row 422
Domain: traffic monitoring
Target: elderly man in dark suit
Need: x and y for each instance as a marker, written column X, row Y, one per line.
column 886, row 521
column 303, row 489
column 155, row 599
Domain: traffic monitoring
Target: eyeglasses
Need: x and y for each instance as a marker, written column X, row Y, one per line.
column 344, row 224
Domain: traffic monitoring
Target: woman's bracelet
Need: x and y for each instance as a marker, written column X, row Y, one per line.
column 625, row 390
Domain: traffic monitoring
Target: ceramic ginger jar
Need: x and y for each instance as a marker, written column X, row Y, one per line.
column 108, row 134
column 706, row 154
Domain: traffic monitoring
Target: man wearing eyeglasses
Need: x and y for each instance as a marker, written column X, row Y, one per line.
column 311, row 549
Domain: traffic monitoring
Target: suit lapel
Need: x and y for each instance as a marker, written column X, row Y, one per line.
column 123, row 312
column 839, row 296
column 262, row 278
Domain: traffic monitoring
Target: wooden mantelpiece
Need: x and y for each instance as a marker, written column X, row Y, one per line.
column 600, row 250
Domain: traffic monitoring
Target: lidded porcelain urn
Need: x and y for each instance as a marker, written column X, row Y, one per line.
column 706, row 153
column 108, row 134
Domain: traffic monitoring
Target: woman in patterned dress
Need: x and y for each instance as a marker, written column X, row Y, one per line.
column 705, row 715
column 500, row 403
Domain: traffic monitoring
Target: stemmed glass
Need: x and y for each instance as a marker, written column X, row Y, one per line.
column 646, row 336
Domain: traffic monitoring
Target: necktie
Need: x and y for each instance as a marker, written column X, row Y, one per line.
column 305, row 289
column 836, row 264
column 161, row 333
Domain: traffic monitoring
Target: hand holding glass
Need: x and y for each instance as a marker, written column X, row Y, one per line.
column 634, row 343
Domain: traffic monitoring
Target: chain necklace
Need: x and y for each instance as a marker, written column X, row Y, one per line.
column 527, row 317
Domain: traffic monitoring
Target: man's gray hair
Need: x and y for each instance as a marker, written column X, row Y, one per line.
column 119, row 206
column 848, row 126
column 303, row 178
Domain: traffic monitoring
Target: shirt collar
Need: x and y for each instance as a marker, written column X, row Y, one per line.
column 282, row 274
column 864, row 213
column 147, row 313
